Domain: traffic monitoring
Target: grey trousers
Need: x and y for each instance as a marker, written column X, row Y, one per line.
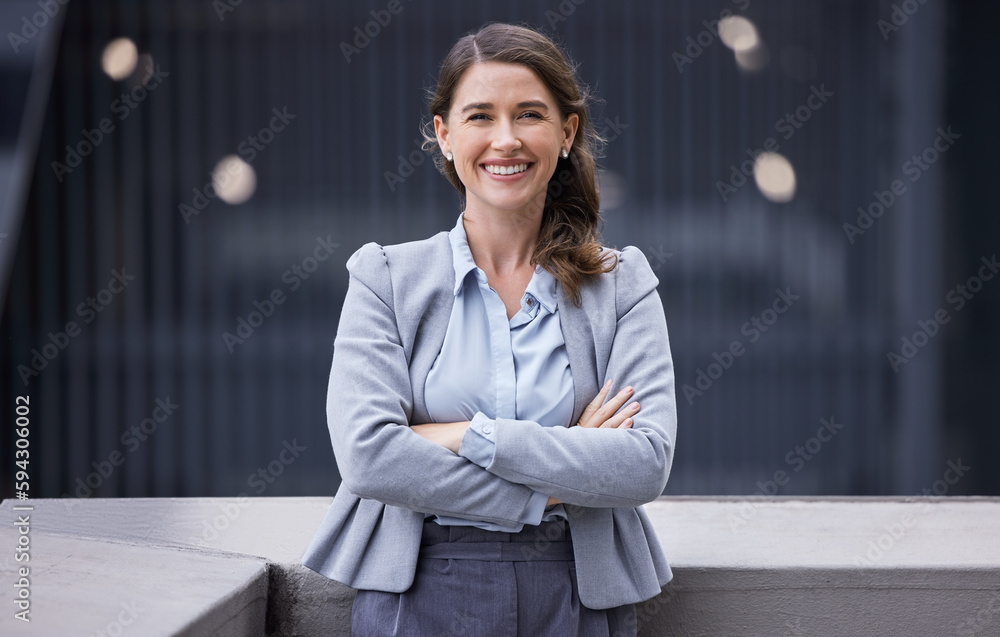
column 474, row 582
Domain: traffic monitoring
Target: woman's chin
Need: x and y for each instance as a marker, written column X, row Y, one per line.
column 510, row 201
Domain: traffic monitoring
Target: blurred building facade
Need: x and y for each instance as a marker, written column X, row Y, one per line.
column 804, row 307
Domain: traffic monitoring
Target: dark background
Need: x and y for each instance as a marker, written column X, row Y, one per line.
column 674, row 133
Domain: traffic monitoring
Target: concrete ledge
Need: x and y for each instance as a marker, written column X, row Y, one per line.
column 828, row 566
column 743, row 566
column 88, row 587
column 270, row 533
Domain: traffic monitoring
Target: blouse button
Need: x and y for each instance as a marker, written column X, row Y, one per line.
column 530, row 301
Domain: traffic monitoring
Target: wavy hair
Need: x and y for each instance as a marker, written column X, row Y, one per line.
column 569, row 244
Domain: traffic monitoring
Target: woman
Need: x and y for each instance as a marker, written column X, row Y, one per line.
column 488, row 488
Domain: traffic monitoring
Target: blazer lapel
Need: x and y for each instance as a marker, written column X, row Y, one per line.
column 432, row 332
column 578, row 333
column 435, row 269
column 577, row 328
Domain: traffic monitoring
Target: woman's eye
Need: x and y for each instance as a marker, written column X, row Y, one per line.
column 484, row 116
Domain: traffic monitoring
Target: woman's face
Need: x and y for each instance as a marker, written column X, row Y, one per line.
column 503, row 119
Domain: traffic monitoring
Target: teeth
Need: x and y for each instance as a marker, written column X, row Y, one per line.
column 505, row 170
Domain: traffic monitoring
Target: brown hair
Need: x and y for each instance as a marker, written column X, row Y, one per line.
column 569, row 243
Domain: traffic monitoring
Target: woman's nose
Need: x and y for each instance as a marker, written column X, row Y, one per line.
column 506, row 139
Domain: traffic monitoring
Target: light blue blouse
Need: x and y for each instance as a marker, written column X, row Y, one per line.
column 492, row 367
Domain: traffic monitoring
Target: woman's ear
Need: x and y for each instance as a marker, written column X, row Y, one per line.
column 441, row 131
column 570, row 128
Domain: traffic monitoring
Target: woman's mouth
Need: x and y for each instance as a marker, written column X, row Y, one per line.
column 514, row 170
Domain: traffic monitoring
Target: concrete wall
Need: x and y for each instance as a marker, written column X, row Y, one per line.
column 743, row 566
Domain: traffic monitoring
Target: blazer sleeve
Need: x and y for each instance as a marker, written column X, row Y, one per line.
column 369, row 406
column 607, row 467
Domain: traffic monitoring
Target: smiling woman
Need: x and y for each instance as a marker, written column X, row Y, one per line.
column 532, row 110
column 505, row 148
column 492, row 483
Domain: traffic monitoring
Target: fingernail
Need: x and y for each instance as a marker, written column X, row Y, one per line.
column 607, row 384
column 628, row 390
column 628, row 422
column 633, row 406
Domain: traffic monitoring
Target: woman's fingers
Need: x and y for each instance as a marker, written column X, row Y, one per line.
column 622, row 419
column 598, row 415
column 607, row 414
column 588, row 413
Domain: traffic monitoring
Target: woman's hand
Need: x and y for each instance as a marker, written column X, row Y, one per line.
column 598, row 415
column 447, row 434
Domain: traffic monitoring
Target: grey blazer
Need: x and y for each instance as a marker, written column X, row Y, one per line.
column 392, row 326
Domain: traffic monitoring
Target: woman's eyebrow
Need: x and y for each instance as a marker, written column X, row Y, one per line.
column 488, row 105
column 478, row 106
column 533, row 104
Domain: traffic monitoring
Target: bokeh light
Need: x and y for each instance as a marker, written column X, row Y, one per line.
column 120, row 58
column 235, row 181
column 775, row 177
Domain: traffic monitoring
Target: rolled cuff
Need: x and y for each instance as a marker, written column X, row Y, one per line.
column 478, row 442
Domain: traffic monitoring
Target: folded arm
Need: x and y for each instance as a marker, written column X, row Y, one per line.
column 605, row 467
column 369, row 406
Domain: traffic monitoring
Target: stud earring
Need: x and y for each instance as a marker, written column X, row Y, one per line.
column 449, row 156
column 564, row 153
